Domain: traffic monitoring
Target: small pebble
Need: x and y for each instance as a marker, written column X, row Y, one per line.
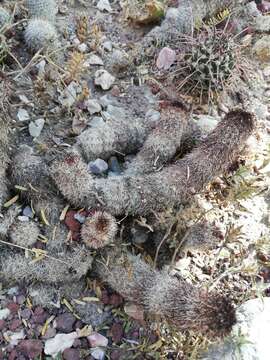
column 65, row 322
column 80, row 218
column 107, row 45
column 97, row 339
column 23, row 115
column 82, row 48
column 94, row 60
column 98, row 166
column 35, row 127
column 71, row 354
column 93, row 106
column 104, row 5
column 26, row 314
column 114, row 165
column 27, row 211
column 23, row 218
column 104, row 79
column 98, row 354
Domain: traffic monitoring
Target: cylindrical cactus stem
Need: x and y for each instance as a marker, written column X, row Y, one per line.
column 5, row 17
column 115, row 135
column 4, row 160
column 42, row 9
column 161, row 144
column 56, row 269
column 173, row 299
column 171, row 186
column 41, row 34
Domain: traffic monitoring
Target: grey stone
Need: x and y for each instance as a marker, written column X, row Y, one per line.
column 93, row 106
column 27, row 211
column 98, row 353
column 139, row 236
column 96, row 121
column 35, row 127
column 104, row 79
column 118, row 61
column 80, row 218
column 98, row 166
column 91, row 313
column 4, row 313
column 114, row 112
column 104, row 5
column 94, row 60
column 206, row 123
column 107, row 45
column 23, row 115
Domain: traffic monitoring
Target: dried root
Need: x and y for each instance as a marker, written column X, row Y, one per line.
column 171, row 186
column 175, row 300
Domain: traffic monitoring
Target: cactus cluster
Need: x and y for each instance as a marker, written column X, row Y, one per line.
column 209, row 65
column 42, row 9
column 40, row 33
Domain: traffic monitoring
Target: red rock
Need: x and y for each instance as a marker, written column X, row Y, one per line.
column 117, row 332
column 39, row 316
column 65, row 322
column 31, row 348
column 115, row 355
column 115, row 91
column 116, row 300
column 13, row 307
column 14, row 324
column 105, row 297
column 2, row 324
column 71, row 222
column 71, row 354
column 13, row 355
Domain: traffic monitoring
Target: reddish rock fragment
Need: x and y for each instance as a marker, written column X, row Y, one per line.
column 31, row 348
column 117, row 332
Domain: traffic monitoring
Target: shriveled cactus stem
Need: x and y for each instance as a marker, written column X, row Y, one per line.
column 171, row 186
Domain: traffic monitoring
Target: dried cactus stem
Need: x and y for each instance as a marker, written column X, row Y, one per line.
column 161, row 144
column 114, row 135
column 178, row 302
column 173, row 185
